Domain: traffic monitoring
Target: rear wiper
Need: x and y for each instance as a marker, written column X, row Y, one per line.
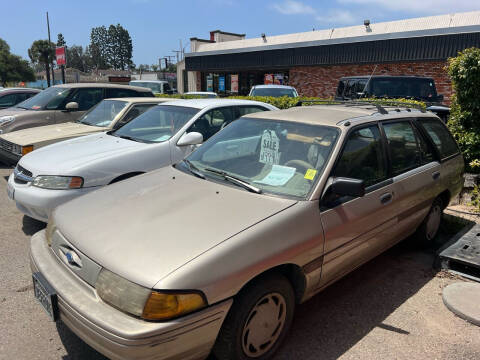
column 193, row 169
column 235, row 180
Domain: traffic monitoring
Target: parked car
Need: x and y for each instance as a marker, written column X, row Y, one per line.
column 109, row 114
column 62, row 103
column 393, row 87
column 203, row 94
column 157, row 86
column 215, row 252
column 163, row 135
column 273, row 90
column 12, row 96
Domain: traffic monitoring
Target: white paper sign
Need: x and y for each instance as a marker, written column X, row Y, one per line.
column 278, row 176
column 269, row 151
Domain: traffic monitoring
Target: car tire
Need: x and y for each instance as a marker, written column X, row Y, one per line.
column 428, row 230
column 258, row 321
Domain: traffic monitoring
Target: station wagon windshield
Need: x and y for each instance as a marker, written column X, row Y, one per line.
column 157, row 124
column 49, row 98
column 103, row 114
column 278, row 157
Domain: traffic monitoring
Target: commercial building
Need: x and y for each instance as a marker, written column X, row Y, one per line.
column 314, row 61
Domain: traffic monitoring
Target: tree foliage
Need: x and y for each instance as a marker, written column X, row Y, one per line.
column 464, row 122
column 111, row 48
column 61, row 40
column 12, row 67
column 42, row 51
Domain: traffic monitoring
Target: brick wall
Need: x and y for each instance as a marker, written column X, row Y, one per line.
column 322, row 81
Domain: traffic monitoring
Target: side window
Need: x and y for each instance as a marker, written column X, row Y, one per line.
column 440, row 136
column 8, row 100
column 166, row 88
column 407, row 149
column 362, row 157
column 341, row 88
column 134, row 111
column 245, row 110
column 350, row 89
column 209, row 123
column 119, row 93
column 87, row 97
column 360, row 86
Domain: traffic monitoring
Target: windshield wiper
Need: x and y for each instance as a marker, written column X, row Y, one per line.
column 193, row 169
column 235, row 180
column 22, row 107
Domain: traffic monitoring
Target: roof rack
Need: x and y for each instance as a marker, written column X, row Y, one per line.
column 380, row 106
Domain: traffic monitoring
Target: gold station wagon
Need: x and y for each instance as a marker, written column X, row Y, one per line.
column 213, row 254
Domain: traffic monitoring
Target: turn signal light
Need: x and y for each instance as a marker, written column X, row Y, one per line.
column 26, row 149
column 76, row 182
column 163, row 306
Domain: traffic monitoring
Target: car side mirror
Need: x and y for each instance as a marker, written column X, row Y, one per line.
column 71, row 106
column 191, row 138
column 348, row 187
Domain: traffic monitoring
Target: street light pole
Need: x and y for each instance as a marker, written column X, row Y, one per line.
column 49, row 41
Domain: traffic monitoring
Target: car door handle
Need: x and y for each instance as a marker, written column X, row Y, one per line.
column 386, row 198
column 436, row 175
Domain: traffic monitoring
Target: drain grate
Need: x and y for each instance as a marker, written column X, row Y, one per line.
column 463, row 256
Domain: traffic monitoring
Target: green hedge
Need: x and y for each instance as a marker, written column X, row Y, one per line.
column 285, row 102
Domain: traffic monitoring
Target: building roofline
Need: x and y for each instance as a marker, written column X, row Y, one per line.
column 226, row 33
column 345, row 40
column 201, row 40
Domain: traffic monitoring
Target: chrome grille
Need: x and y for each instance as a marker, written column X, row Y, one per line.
column 22, row 175
column 6, row 145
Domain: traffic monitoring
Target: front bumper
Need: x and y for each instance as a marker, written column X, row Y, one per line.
column 39, row 203
column 116, row 334
column 9, row 158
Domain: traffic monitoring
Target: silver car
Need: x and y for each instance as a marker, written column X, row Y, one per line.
column 161, row 136
column 213, row 254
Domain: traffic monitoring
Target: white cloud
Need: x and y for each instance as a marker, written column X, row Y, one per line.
column 290, row 7
column 419, row 6
column 337, row 16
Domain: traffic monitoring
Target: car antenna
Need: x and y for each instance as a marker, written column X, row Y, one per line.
column 370, row 78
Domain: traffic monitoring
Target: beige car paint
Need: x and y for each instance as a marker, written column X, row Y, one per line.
column 45, row 135
column 186, row 233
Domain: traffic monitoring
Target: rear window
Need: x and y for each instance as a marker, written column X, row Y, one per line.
column 440, row 136
column 401, row 87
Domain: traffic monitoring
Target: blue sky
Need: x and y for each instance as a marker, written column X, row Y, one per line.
column 156, row 26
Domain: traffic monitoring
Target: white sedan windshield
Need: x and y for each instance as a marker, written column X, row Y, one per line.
column 158, row 124
column 279, row 157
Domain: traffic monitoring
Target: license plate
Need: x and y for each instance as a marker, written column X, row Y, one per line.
column 45, row 295
column 10, row 191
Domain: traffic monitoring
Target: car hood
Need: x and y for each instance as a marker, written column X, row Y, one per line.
column 15, row 111
column 146, row 227
column 37, row 135
column 66, row 157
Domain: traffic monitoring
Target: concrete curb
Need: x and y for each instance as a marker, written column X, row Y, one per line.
column 463, row 299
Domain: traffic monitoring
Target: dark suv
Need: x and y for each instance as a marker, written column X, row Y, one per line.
column 383, row 86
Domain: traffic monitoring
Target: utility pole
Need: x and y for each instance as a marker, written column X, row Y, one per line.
column 53, row 72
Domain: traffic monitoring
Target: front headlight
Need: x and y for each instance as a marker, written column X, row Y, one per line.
column 145, row 303
column 6, row 119
column 58, row 182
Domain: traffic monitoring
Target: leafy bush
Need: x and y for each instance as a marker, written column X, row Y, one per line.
column 285, row 102
column 464, row 120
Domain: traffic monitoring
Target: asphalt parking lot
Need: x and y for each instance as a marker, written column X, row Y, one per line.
column 390, row 308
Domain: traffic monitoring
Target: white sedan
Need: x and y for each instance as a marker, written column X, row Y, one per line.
column 163, row 135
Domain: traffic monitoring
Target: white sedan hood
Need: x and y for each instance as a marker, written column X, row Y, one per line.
column 65, row 157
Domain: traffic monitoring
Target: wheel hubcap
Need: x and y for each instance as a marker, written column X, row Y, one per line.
column 264, row 325
column 433, row 222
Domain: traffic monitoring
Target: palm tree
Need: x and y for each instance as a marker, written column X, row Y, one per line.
column 42, row 51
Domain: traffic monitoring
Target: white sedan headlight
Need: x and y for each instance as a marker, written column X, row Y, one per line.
column 6, row 119
column 58, row 182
